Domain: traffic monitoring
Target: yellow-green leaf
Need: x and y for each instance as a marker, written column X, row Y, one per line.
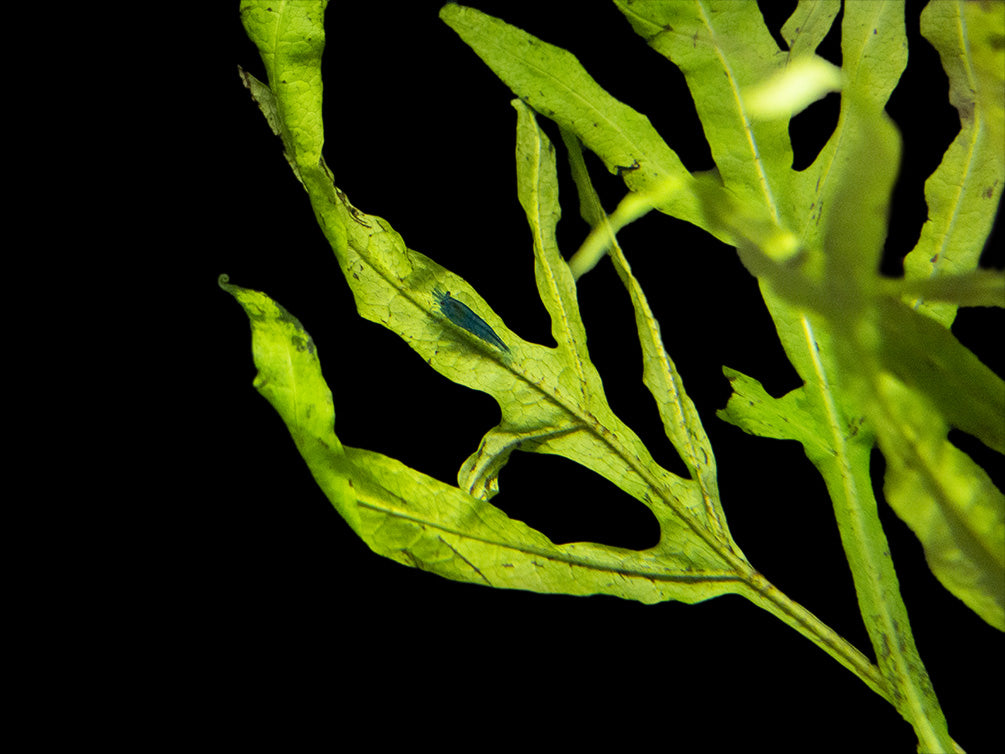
column 964, row 191
column 948, row 501
column 554, row 83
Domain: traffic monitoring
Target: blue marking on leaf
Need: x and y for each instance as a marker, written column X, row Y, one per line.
column 463, row 317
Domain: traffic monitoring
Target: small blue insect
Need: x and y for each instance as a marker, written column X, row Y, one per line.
column 463, row 317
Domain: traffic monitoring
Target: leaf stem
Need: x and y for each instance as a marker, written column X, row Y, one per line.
column 765, row 595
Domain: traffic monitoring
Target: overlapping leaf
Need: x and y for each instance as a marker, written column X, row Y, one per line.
column 872, row 368
column 838, row 208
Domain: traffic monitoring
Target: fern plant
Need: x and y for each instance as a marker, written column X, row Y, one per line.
column 878, row 363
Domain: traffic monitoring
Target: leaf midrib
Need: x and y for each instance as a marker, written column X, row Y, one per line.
column 741, row 111
column 381, row 505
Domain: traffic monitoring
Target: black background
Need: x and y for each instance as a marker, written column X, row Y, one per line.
column 289, row 614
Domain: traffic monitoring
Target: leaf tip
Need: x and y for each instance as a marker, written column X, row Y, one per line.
column 451, row 10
